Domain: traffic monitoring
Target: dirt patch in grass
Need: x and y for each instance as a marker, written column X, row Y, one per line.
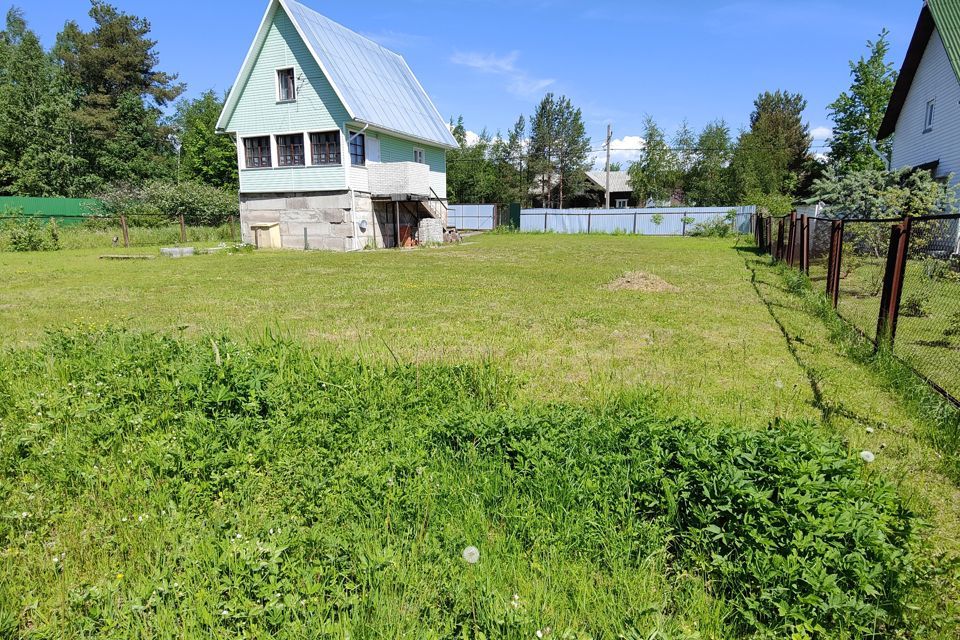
column 640, row 281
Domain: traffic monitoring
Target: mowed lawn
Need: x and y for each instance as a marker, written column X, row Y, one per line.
column 536, row 303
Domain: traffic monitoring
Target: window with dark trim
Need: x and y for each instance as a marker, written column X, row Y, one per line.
column 325, row 148
column 358, row 156
column 418, row 156
column 290, row 150
column 287, row 85
column 257, row 151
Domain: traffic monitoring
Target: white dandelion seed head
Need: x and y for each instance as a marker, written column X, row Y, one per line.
column 869, row 429
column 867, row 456
column 471, row 555
column 224, row 613
column 778, row 383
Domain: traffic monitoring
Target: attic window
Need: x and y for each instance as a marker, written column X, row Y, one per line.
column 286, row 85
column 928, row 118
column 418, row 156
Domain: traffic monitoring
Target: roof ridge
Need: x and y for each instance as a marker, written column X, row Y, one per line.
column 344, row 27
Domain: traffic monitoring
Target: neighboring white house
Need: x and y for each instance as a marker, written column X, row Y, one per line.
column 339, row 146
column 924, row 111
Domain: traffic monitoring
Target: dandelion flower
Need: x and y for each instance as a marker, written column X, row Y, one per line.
column 119, row 576
column 867, row 456
column 471, row 555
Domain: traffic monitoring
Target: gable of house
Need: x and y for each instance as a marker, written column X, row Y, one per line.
column 937, row 16
column 373, row 86
column 257, row 110
column 917, row 142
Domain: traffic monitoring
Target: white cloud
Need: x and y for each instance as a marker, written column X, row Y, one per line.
column 821, row 133
column 519, row 81
column 623, row 150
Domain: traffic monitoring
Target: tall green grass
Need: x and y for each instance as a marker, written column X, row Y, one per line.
column 152, row 486
column 95, row 236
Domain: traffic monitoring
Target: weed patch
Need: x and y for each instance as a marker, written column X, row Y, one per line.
column 153, row 486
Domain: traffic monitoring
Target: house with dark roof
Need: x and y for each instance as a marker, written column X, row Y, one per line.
column 338, row 144
column 621, row 193
column 923, row 115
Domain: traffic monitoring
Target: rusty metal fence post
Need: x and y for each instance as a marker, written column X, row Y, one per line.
column 805, row 244
column 893, row 281
column 779, row 253
column 833, row 261
column 792, row 238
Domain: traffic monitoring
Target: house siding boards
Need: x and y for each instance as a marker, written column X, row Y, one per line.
column 934, row 79
column 258, row 112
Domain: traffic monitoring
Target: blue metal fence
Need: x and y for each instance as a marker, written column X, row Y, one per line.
column 669, row 221
column 472, row 217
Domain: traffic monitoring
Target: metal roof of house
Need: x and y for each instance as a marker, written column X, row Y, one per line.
column 944, row 15
column 375, row 84
column 619, row 180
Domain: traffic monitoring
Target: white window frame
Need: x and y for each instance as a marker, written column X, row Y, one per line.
column 276, row 82
column 419, row 156
column 621, row 203
column 929, row 115
column 242, row 148
column 309, row 156
column 305, row 146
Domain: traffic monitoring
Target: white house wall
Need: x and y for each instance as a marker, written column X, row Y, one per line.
column 934, row 79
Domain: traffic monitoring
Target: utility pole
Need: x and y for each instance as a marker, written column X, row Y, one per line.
column 609, row 136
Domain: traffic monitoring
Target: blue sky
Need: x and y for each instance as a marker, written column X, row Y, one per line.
column 491, row 60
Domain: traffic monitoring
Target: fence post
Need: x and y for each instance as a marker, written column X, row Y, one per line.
column 634, row 222
column 183, row 230
column 792, row 239
column 589, row 220
column 893, row 281
column 233, row 235
column 779, row 253
column 805, row 244
column 126, row 232
column 833, row 262
column 545, row 219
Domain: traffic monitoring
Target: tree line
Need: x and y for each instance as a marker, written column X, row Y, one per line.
column 86, row 118
column 769, row 163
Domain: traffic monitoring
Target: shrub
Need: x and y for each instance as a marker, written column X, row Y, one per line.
column 952, row 329
column 718, row 227
column 916, row 305
column 28, row 234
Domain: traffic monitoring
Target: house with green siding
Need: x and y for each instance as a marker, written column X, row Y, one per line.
column 338, row 144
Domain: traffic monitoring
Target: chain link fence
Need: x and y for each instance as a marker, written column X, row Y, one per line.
column 897, row 281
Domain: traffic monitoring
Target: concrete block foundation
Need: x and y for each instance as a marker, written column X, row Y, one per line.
column 333, row 221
